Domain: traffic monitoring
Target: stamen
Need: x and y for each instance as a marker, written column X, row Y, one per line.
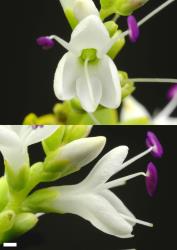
column 45, row 42
column 142, row 21
column 61, row 42
column 133, row 28
column 154, row 12
column 153, row 141
column 122, row 180
column 172, row 92
column 37, row 126
column 170, row 107
column 151, row 179
column 132, row 219
column 157, row 80
column 135, row 158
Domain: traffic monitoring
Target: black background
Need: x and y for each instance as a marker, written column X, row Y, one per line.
column 71, row 232
column 27, row 71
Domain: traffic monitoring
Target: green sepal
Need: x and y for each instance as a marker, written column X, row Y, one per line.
column 53, row 163
column 7, row 219
column 71, row 18
column 40, row 201
column 4, row 193
column 127, row 86
column 24, row 222
column 54, row 141
column 17, row 180
column 57, row 167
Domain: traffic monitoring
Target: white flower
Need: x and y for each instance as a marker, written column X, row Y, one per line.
column 86, row 72
column 133, row 110
column 92, row 200
column 15, row 139
column 80, row 8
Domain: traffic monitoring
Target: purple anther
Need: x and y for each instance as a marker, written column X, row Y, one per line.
column 37, row 126
column 45, row 42
column 133, row 28
column 153, row 141
column 172, row 92
column 151, row 179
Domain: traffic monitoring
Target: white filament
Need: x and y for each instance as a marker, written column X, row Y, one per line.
column 61, row 41
column 135, row 158
column 132, row 219
column 142, row 21
column 170, row 107
column 154, row 12
column 123, row 180
column 160, row 80
column 94, row 119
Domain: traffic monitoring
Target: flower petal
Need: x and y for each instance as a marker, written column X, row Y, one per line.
column 68, row 70
column 111, row 88
column 117, row 203
column 8, row 138
column 16, row 157
column 89, row 101
column 106, row 167
column 90, row 33
column 36, row 134
column 132, row 109
column 94, row 208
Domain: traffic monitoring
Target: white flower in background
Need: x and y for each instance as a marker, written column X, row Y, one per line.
column 15, row 139
column 80, row 8
column 92, row 200
column 132, row 110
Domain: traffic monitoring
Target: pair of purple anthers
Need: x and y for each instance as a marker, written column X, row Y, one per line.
column 47, row 43
column 37, row 126
column 153, row 143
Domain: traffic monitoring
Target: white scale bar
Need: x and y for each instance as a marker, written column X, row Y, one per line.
column 12, row 244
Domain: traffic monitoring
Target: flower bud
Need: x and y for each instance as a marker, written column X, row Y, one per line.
column 6, row 220
column 76, row 10
column 24, row 222
column 127, row 86
column 74, row 155
column 3, row 192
